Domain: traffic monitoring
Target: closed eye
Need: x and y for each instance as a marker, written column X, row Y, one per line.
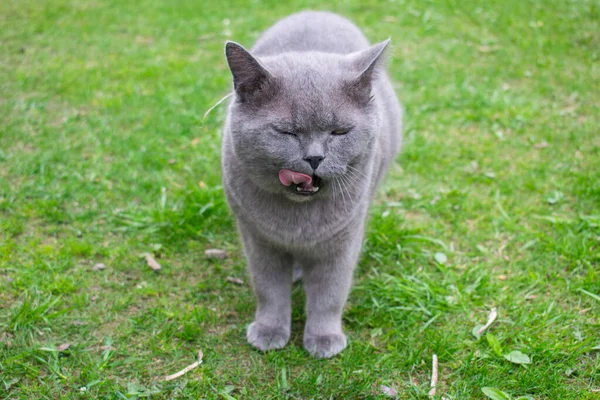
column 341, row 131
column 283, row 131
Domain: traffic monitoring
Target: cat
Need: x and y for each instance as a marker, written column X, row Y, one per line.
column 312, row 127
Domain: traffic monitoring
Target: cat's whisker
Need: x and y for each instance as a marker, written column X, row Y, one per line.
column 345, row 186
column 352, row 175
column 333, row 191
column 358, row 171
column 343, row 196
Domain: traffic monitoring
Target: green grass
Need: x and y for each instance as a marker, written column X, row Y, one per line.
column 104, row 155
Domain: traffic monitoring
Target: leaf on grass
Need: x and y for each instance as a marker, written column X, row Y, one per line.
column 388, row 391
column 215, row 254
column 226, row 396
column 8, row 384
column 495, row 394
column 494, row 344
column 319, row 380
column 229, row 389
column 592, row 295
column 517, row 357
column 98, row 267
column 441, row 258
column 527, row 397
column 555, row 198
column 135, row 389
column 63, row 347
column 58, row 349
column 152, row 263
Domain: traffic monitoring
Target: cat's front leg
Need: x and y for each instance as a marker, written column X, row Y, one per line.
column 327, row 283
column 271, row 274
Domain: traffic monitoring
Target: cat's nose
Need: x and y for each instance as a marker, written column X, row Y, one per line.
column 314, row 161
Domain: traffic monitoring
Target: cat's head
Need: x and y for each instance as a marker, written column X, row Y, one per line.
column 312, row 113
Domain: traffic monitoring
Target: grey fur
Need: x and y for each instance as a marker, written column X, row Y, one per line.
column 309, row 74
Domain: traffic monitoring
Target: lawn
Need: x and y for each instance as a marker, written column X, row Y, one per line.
column 494, row 202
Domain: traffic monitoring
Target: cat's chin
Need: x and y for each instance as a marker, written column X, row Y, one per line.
column 299, row 197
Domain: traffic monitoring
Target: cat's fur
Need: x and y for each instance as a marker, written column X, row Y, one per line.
column 310, row 74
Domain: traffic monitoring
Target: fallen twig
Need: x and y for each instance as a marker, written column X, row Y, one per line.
column 186, row 369
column 491, row 318
column 434, row 375
column 237, row 281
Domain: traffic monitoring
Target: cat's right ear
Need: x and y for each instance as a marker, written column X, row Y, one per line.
column 249, row 77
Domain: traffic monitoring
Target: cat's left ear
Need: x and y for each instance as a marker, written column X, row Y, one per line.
column 366, row 62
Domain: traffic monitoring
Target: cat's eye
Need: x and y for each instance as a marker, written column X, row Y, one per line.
column 340, row 132
column 284, row 132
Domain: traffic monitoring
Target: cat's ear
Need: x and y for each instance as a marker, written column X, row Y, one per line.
column 367, row 63
column 249, row 77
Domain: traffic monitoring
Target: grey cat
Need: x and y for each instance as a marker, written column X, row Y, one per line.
column 313, row 126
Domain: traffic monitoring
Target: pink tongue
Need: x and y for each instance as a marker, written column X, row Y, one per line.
column 288, row 177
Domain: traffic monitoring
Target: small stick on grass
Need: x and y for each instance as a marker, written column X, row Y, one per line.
column 491, row 318
column 186, row 369
column 434, row 375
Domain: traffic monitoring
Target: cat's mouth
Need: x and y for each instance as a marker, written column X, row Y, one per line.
column 303, row 184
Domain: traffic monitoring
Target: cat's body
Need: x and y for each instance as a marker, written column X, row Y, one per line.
column 305, row 102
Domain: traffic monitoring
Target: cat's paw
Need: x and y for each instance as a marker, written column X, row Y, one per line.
column 297, row 274
column 266, row 337
column 325, row 346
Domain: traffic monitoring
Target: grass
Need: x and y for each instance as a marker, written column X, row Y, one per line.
column 494, row 202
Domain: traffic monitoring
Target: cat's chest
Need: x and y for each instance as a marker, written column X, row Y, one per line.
column 294, row 225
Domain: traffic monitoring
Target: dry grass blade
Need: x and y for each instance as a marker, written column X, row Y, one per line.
column 491, row 318
column 213, row 107
column 186, row 369
column 152, row 263
column 434, row 375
